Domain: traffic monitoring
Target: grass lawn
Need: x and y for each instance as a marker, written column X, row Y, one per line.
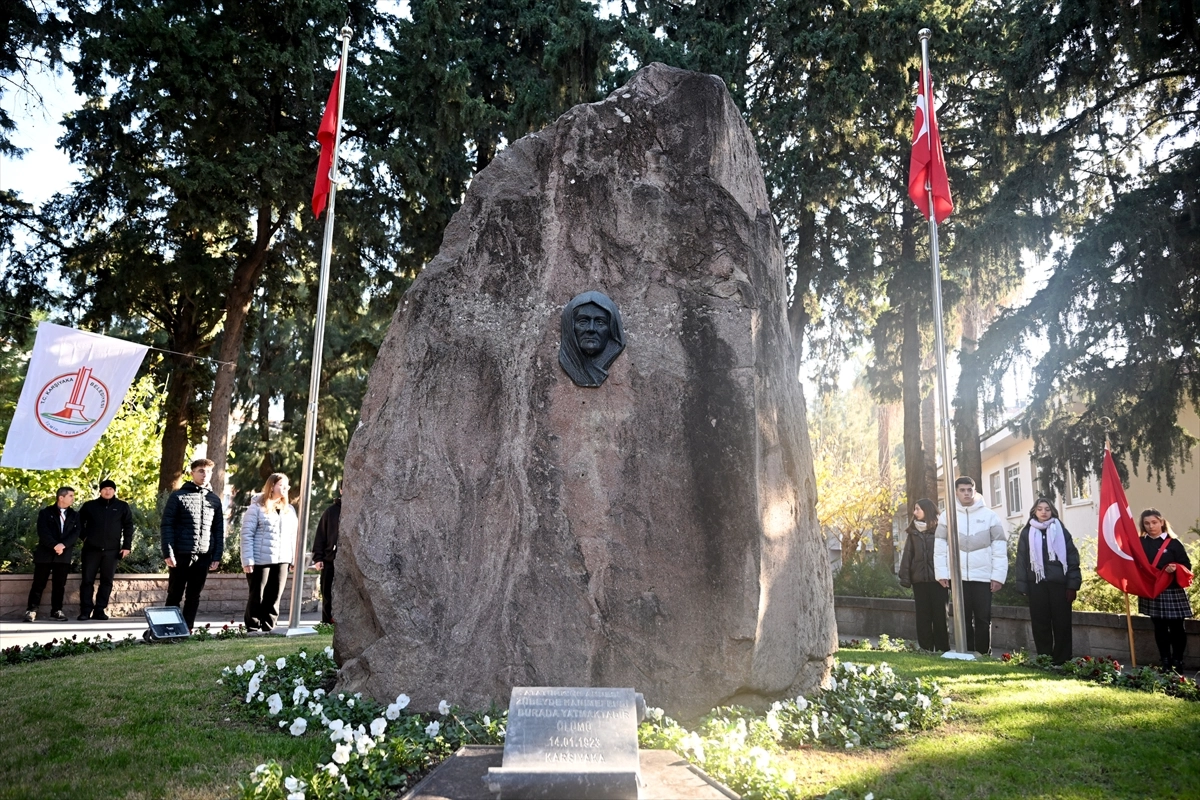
column 150, row 722
column 144, row 722
column 1022, row 733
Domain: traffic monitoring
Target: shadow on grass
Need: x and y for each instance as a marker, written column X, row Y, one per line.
column 1020, row 733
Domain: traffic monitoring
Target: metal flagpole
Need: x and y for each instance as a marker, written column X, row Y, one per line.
column 951, row 514
column 314, row 381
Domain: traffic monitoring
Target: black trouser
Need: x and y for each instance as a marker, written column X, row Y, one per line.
column 930, row 598
column 327, row 591
column 41, row 573
column 104, row 563
column 267, row 582
column 1171, row 639
column 188, row 576
column 977, row 615
column 1050, row 618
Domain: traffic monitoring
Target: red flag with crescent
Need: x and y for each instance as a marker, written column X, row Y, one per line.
column 927, row 164
column 1120, row 559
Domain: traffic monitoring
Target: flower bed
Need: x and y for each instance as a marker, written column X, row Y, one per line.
column 75, row 646
column 1103, row 669
column 383, row 750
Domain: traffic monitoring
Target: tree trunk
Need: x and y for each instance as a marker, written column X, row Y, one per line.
column 966, row 411
column 910, row 370
column 181, row 385
column 884, row 543
column 929, row 440
column 237, row 306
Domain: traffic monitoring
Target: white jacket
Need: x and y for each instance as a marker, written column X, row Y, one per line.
column 982, row 545
column 268, row 537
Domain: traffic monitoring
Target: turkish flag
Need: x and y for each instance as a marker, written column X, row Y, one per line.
column 927, row 164
column 1120, row 559
column 325, row 136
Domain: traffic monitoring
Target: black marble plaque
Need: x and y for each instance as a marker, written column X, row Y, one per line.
column 569, row 744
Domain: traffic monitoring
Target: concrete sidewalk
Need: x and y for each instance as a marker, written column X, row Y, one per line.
column 18, row 633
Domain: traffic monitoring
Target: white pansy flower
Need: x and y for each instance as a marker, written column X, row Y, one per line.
column 341, row 753
column 280, row 662
column 329, row 651
column 252, row 689
column 304, row 655
column 336, row 730
column 249, row 666
column 801, row 702
column 487, row 720
column 283, row 723
column 392, row 712
column 402, row 701
column 829, row 684
column 899, row 697
column 443, row 707
column 364, row 745
column 923, row 701
column 299, row 726
column 762, row 759
column 299, row 695
column 815, row 730
column 260, row 658
column 296, row 795
column 332, row 768
column 260, row 697
column 274, row 704
column 318, row 694
column 431, row 730
column 238, row 669
column 293, row 784
column 260, row 769
column 350, row 703
column 378, row 726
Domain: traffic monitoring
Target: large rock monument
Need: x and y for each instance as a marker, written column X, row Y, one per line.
column 648, row 522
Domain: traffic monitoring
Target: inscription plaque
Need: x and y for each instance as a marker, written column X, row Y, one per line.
column 570, row 744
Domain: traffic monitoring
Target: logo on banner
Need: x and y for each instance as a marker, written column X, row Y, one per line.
column 71, row 405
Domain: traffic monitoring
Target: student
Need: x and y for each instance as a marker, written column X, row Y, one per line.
column 193, row 539
column 1048, row 573
column 916, row 570
column 58, row 531
column 1167, row 611
column 268, row 542
column 982, row 558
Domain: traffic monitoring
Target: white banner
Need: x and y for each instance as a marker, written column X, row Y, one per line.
column 75, row 384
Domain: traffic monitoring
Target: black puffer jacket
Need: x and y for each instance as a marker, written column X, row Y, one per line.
column 916, row 564
column 107, row 524
column 193, row 522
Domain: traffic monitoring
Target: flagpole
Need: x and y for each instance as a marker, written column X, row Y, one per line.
column 956, row 598
column 314, row 381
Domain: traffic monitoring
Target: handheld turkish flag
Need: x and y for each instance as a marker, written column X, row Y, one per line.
column 325, row 136
column 1120, row 559
column 927, row 167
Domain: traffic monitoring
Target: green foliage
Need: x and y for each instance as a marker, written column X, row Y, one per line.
column 866, row 577
column 128, row 453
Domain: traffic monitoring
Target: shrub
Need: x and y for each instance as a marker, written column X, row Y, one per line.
column 867, row 578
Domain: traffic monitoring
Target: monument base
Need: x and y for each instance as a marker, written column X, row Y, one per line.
column 665, row 776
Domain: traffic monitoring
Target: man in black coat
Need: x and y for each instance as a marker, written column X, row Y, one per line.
column 324, row 552
column 107, row 534
column 193, row 538
column 57, row 530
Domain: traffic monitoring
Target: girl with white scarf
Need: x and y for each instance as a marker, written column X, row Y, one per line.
column 1047, row 571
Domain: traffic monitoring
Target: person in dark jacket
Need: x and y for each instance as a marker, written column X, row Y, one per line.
column 1048, row 573
column 916, row 570
column 324, row 552
column 193, row 538
column 1167, row 611
column 58, row 531
column 106, row 529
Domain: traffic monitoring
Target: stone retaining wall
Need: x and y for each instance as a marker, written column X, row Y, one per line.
column 224, row 593
column 1092, row 633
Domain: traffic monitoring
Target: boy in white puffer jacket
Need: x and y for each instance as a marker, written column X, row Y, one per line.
column 982, row 558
